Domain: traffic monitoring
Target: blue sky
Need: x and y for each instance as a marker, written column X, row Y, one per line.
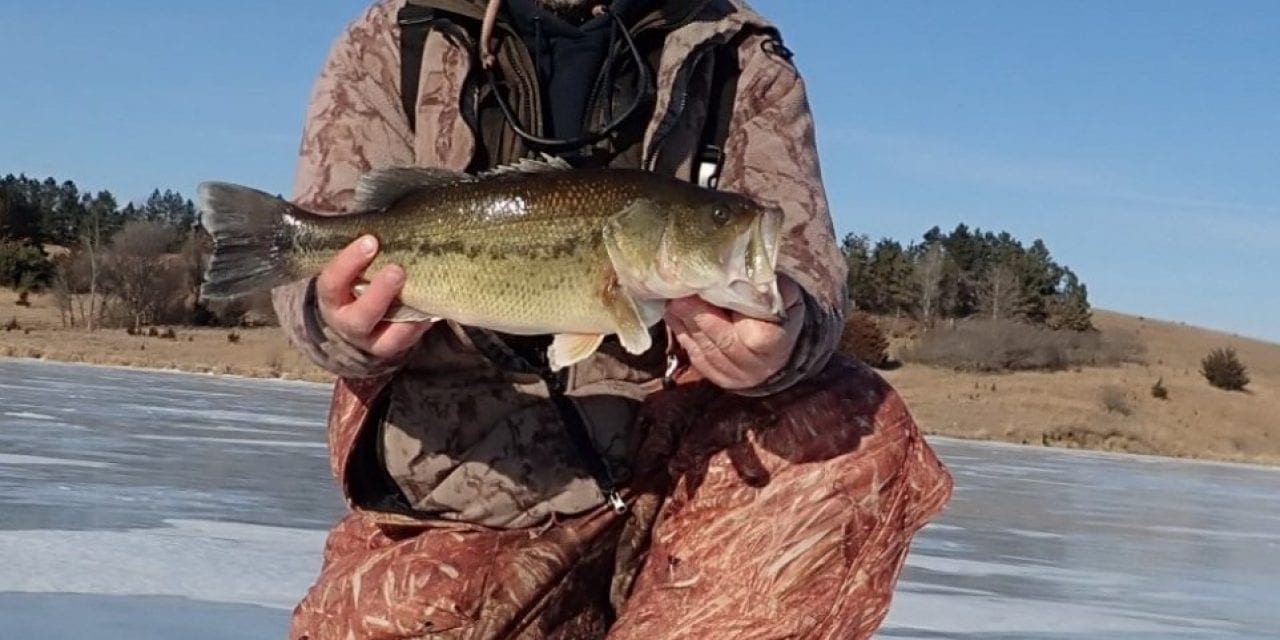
column 1140, row 139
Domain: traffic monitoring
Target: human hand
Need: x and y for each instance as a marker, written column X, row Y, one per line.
column 359, row 319
column 732, row 350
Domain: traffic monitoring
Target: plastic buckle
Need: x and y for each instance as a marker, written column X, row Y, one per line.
column 709, row 164
column 669, row 377
column 615, row 501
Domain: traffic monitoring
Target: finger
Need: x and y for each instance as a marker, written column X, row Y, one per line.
column 714, row 364
column 370, row 308
column 675, row 323
column 686, row 308
column 704, row 353
column 714, row 329
column 699, row 316
column 790, row 291
column 394, row 338
column 333, row 285
column 766, row 338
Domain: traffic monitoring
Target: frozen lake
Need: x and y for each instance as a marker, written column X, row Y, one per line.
column 149, row 505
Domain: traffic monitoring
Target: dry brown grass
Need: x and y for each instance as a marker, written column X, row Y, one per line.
column 1114, row 400
column 1064, row 408
column 259, row 351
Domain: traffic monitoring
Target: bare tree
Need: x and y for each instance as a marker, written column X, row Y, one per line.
column 1002, row 288
column 62, row 288
column 91, row 245
column 140, row 273
column 929, row 279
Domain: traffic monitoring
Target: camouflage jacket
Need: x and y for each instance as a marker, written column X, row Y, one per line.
column 448, row 433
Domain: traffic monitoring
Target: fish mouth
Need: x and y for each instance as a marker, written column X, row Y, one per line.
column 762, row 249
column 752, row 287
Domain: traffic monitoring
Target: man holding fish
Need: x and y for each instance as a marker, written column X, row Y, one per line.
column 572, row 263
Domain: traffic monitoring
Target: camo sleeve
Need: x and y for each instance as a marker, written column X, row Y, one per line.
column 354, row 122
column 771, row 154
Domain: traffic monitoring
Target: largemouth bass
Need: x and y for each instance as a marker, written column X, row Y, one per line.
column 535, row 248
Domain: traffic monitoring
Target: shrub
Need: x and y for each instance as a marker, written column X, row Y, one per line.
column 233, row 337
column 23, row 265
column 1223, row 369
column 865, row 340
column 23, row 298
column 146, row 283
column 1159, row 391
column 1114, row 400
column 12, row 325
column 1007, row 345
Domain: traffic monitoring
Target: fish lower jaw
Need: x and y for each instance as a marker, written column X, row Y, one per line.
column 655, row 287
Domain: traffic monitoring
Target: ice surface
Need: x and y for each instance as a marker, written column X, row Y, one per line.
column 1049, row 544
column 14, row 459
column 138, row 448
column 149, row 505
column 67, row 616
column 221, row 562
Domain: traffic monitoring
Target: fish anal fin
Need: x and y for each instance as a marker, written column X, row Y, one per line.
column 404, row 313
column 381, row 188
column 570, row 348
column 398, row 311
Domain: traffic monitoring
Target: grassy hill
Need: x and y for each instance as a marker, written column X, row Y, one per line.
column 1112, row 408
column 1101, row 408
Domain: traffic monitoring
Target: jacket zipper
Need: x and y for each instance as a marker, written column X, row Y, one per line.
column 678, row 103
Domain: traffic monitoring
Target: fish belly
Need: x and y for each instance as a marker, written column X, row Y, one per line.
column 512, row 294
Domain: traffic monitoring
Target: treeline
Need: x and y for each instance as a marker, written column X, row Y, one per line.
column 57, row 213
column 105, row 264
column 966, row 274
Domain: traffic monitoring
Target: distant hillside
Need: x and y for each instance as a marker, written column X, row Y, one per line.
column 1070, row 409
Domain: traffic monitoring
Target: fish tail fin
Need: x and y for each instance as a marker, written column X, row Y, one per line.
column 252, row 233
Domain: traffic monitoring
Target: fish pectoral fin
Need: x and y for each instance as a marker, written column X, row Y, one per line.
column 570, row 348
column 398, row 311
column 630, row 319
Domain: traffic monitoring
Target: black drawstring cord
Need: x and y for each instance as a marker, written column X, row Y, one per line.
column 644, row 89
column 608, row 68
column 537, row 46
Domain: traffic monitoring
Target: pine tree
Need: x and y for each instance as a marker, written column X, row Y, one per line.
column 19, row 216
column 169, row 208
column 1070, row 309
column 893, row 277
column 857, row 257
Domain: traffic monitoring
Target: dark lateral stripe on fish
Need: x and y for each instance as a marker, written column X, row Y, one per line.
column 429, row 248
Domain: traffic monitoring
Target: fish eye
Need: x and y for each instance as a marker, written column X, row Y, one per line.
column 720, row 215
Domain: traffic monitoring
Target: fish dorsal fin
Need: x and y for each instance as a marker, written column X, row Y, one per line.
column 380, row 188
column 530, row 165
